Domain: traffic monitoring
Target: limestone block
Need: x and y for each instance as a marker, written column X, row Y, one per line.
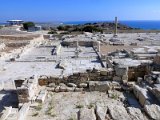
column 13, row 115
column 23, row 100
column 72, row 85
column 118, row 112
column 78, row 89
column 87, row 114
column 43, row 80
column 141, row 94
column 18, row 83
column 121, row 71
column 153, row 111
column 92, row 85
column 101, row 86
column 41, row 97
column 116, row 78
column 62, row 65
column 116, row 84
column 142, row 98
column 135, row 113
column 104, row 72
column 63, row 89
column 136, row 91
column 51, row 85
column 5, row 113
column 83, row 85
column 125, row 77
column 23, row 111
column 156, row 92
column 57, row 89
column 83, row 74
column 51, row 89
column 70, row 89
column 101, row 112
column 62, row 84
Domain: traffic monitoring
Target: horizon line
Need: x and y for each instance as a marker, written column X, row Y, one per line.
column 79, row 21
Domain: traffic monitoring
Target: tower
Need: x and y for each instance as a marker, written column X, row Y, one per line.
column 116, row 25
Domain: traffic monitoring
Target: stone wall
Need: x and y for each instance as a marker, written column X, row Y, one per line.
column 23, row 111
column 156, row 92
column 142, row 95
column 5, row 113
column 157, row 60
column 81, row 43
column 16, row 44
column 20, row 37
column 156, row 63
column 27, row 89
column 2, row 46
column 18, row 83
column 77, row 78
column 46, row 36
column 135, row 72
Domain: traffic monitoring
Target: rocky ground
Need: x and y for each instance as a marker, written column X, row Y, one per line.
column 75, row 105
column 11, row 31
column 84, row 106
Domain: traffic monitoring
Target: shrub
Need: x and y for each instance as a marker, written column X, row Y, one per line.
column 91, row 105
column 65, row 44
column 26, row 25
column 79, row 106
column 35, row 114
column 61, row 28
column 91, row 29
column 52, row 32
column 64, row 28
column 39, row 107
column 1, row 27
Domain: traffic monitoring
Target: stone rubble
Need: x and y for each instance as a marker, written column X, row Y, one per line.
column 119, row 70
column 101, row 112
column 83, row 85
column 101, row 86
column 118, row 112
column 41, row 97
column 87, row 114
column 135, row 113
column 71, row 85
column 153, row 111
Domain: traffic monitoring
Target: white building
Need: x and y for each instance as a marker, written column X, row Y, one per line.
column 15, row 22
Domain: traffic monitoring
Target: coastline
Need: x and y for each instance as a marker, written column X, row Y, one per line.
column 142, row 24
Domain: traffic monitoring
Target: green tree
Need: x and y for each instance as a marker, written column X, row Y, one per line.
column 64, row 28
column 60, row 27
column 26, row 25
column 52, row 32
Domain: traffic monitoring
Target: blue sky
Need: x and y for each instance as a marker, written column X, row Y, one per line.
column 79, row 10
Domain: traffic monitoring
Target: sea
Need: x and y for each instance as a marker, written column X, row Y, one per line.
column 145, row 24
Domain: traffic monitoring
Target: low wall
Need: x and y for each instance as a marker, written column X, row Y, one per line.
column 81, row 43
column 134, row 73
column 142, row 95
column 18, row 37
column 76, row 78
column 23, row 111
column 99, row 57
